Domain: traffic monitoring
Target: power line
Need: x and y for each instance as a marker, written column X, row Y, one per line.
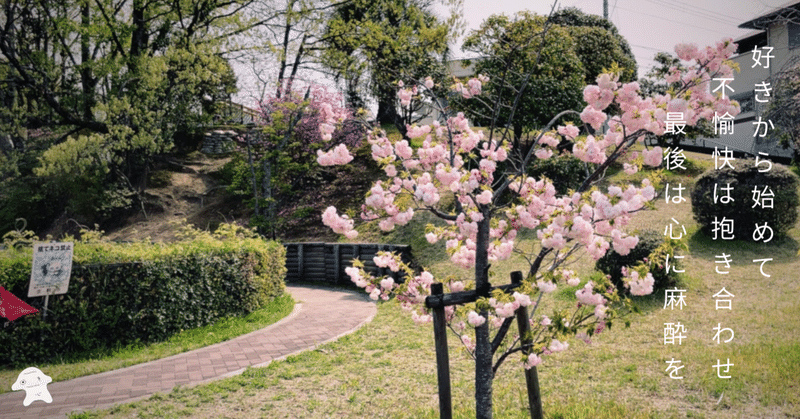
column 650, row 48
column 674, row 21
column 697, row 12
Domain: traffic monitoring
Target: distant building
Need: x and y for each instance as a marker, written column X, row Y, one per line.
column 780, row 30
column 455, row 68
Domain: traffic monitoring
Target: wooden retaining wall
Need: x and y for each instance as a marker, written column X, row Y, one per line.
column 325, row 262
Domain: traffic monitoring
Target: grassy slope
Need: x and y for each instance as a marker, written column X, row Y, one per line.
column 387, row 369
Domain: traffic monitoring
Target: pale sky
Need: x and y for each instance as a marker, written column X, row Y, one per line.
column 649, row 26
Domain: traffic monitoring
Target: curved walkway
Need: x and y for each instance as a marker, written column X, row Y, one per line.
column 320, row 316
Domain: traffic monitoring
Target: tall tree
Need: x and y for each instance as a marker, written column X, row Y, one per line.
column 597, row 43
column 390, row 40
column 526, row 53
column 115, row 79
column 562, row 53
column 495, row 200
column 291, row 33
column 783, row 108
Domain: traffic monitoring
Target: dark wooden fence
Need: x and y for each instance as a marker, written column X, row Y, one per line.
column 325, row 262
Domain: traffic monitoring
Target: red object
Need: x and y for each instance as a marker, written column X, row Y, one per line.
column 12, row 307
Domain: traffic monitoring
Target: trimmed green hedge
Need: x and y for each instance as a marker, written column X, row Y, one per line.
column 652, row 246
column 743, row 212
column 121, row 294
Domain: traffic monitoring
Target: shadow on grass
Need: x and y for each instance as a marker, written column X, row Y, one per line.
column 651, row 302
column 781, row 249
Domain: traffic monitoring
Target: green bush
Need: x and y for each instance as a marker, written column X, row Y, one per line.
column 566, row 172
column 653, row 247
column 743, row 179
column 159, row 178
column 140, row 292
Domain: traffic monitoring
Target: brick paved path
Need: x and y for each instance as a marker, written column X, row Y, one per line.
column 322, row 315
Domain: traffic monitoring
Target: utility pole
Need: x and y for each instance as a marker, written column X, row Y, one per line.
column 605, row 9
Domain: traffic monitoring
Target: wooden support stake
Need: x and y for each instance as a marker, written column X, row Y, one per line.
column 442, row 357
column 337, row 277
column 300, row 261
column 531, row 375
column 381, row 271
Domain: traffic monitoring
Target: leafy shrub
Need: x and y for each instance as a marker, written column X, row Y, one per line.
column 565, row 171
column 745, row 215
column 140, row 292
column 653, row 247
column 159, row 178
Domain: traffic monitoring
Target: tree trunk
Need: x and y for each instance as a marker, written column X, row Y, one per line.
column 139, row 35
column 483, row 344
column 387, row 113
column 252, row 175
column 88, row 82
column 285, row 46
column 386, row 110
column 483, row 371
column 266, row 184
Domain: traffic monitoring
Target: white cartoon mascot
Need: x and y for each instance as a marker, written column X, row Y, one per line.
column 34, row 382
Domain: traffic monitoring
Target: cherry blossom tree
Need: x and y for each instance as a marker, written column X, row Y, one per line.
column 280, row 152
column 494, row 200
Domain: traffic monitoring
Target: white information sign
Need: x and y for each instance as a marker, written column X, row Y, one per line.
column 52, row 266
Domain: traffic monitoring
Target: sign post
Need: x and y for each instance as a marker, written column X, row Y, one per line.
column 52, row 267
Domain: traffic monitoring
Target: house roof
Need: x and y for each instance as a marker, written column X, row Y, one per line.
column 750, row 40
column 790, row 11
column 750, row 35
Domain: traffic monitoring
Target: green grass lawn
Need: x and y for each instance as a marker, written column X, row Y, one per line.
column 222, row 330
column 387, row 368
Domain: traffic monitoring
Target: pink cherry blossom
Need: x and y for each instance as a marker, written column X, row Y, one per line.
column 457, row 173
column 341, row 225
column 421, row 318
column 524, row 300
column 387, row 284
column 546, row 286
column 686, row 52
column 593, row 117
column 548, row 139
column 607, row 81
column 543, row 153
column 640, row 286
column 569, row 131
column 557, row 346
column 403, row 150
column 474, row 87
column 623, row 243
column 505, row 310
column 532, row 361
column 387, row 260
column 338, row 156
column 600, row 311
column 405, row 97
column 586, row 295
column 468, row 343
column 475, row 319
column 653, row 157
column 355, row 276
column 484, row 197
column 432, row 238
